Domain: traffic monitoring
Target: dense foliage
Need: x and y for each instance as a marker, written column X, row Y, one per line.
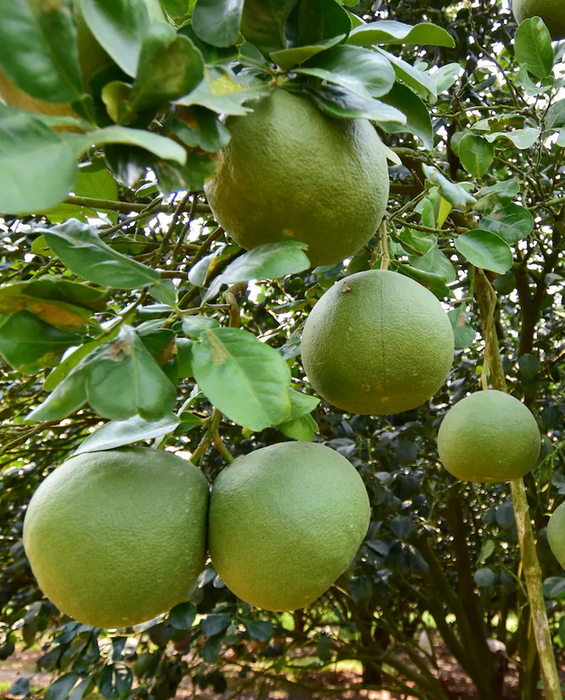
column 477, row 197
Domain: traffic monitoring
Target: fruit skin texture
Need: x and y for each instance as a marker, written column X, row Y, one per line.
column 489, row 437
column 556, row 534
column 285, row 521
column 291, row 172
column 377, row 343
column 115, row 538
column 551, row 11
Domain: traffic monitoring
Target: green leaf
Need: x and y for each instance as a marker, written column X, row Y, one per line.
column 555, row 115
column 68, row 397
column 341, row 103
column 261, row 630
column 154, row 143
column 21, row 296
column 211, row 648
column 363, row 72
column 165, row 292
column 446, row 76
column 263, row 23
column 170, row 66
column 554, row 586
column 511, row 222
column 268, row 262
column 392, row 32
column 81, row 250
column 454, row 193
column 28, row 147
column 476, row 154
column 419, row 81
column 320, row 20
column 58, row 373
column 195, row 326
column 529, row 365
column 416, row 241
column 301, row 404
column 217, row 21
column 532, row 47
column 434, row 282
column 287, row 58
column 184, row 357
column 39, row 49
column 123, row 379
column 521, row 138
column 215, row 623
column 224, row 94
column 486, row 550
column 119, row 27
column 463, row 332
column 303, row 428
column 245, row 379
column 435, row 261
column 25, row 339
column 62, row 687
column 182, row 615
column 503, row 190
column 203, row 130
column 524, row 81
column 485, row 249
column 417, row 115
column 484, row 577
column 96, row 183
column 134, row 429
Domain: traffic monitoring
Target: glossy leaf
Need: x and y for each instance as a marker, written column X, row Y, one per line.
column 182, row 615
column 39, row 49
column 417, row 115
column 434, row 261
column 124, row 379
column 485, row 249
column 170, row 66
column 366, row 73
column 287, row 58
column 263, row 23
column 511, row 222
column 341, row 103
column 25, row 338
column 261, row 630
column 154, row 143
column 119, row 26
column 476, row 154
column 245, row 379
column 392, row 32
column 303, row 428
column 217, row 21
column 532, row 46
column 29, row 147
column 195, row 326
column 80, row 249
column 268, row 261
column 68, row 397
column 418, row 80
column 463, row 333
column 521, row 138
column 134, row 429
column 453, row 192
column 320, row 20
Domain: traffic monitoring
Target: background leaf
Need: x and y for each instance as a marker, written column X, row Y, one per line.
column 485, row 249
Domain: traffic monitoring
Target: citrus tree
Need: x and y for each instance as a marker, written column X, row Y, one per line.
column 188, row 191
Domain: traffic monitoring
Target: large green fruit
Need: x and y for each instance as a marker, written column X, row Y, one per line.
column 551, row 11
column 291, row 172
column 285, row 521
column 115, row 538
column 377, row 343
column 556, row 534
column 489, row 437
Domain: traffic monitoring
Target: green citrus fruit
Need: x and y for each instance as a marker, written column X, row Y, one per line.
column 489, row 437
column 551, row 11
column 285, row 521
column 556, row 534
column 291, row 172
column 377, row 343
column 115, row 538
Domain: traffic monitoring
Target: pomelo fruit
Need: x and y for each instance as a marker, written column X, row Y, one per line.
column 291, row 172
column 488, row 437
column 115, row 538
column 556, row 534
column 551, row 11
column 285, row 521
column 377, row 343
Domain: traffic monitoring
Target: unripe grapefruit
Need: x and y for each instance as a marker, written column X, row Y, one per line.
column 291, row 172
column 377, row 343
column 115, row 538
column 285, row 521
column 551, row 11
column 556, row 534
column 489, row 437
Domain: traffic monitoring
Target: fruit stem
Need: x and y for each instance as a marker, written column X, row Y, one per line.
column 383, row 246
column 531, row 568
